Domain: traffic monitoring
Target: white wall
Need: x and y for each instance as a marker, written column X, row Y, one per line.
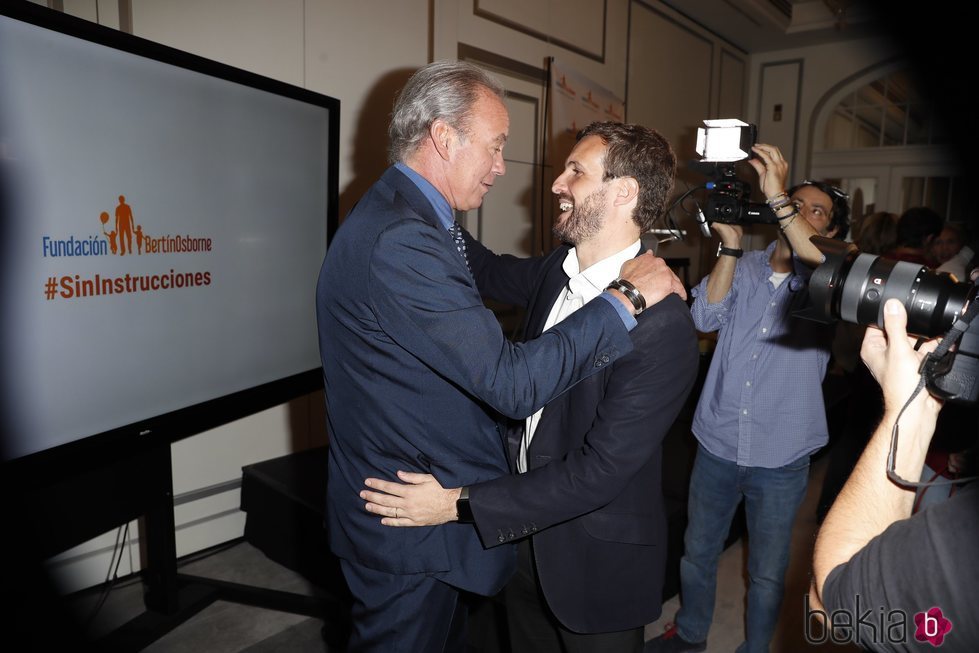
column 812, row 81
column 528, row 32
column 679, row 75
column 803, row 79
column 672, row 72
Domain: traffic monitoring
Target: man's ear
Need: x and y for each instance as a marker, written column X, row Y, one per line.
column 441, row 134
column 626, row 190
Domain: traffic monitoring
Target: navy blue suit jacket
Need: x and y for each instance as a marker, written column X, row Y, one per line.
column 592, row 498
column 417, row 373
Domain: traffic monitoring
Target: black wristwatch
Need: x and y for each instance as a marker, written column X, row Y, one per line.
column 463, row 509
column 729, row 251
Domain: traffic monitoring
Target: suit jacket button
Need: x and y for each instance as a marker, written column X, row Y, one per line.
column 501, row 537
column 605, row 358
column 524, row 530
column 511, row 535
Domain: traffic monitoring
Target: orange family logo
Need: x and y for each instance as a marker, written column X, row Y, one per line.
column 124, row 237
column 121, row 237
column 124, row 229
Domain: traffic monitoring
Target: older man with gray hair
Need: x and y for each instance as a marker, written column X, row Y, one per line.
column 418, row 373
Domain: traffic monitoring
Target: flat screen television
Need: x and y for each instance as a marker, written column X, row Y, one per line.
column 164, row 218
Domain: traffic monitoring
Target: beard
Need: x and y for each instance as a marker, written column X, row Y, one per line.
column 585, row 220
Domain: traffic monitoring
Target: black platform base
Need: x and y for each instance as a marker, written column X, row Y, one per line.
column 195, row 593
column 284, row 499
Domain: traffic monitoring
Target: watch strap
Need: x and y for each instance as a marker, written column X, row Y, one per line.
column 729, row 251
column 463, row 509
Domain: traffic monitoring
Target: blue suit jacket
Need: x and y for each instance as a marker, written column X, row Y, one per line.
column 592, row 498
column 417, row 373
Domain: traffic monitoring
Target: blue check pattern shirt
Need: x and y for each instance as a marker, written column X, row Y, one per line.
column 762, row 401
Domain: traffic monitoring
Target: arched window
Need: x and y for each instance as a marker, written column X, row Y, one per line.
column 887, row 112
column 882, row 142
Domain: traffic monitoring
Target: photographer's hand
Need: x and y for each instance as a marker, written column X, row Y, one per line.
column 772, row 169
column 892, row 359
column 730, row 234
column 870, row 501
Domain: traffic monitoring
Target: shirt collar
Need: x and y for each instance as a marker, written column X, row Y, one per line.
column 768, row 255
column 441, row 205
column 596, row 278
column 795, row 282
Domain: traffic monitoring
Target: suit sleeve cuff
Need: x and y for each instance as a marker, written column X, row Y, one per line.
column 627, row 319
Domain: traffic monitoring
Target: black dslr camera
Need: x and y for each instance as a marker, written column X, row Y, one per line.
column 852, row 286
column 720, row 144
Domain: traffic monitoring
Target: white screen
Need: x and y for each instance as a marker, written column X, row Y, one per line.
column 236, row 175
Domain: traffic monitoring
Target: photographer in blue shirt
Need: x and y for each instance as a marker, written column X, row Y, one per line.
column 761, row 413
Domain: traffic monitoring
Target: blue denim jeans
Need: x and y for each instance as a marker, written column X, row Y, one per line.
column 772, row 498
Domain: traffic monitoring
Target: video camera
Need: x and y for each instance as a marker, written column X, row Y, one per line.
column 720, row 144
column 852, row 286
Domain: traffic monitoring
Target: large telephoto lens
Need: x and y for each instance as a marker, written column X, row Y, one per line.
column 853, row 287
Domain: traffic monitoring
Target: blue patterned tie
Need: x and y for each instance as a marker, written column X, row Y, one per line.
column 456, row 232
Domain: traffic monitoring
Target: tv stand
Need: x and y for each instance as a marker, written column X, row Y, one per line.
column 285, row 498
column 75, row 503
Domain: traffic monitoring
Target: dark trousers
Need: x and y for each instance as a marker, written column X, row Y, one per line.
column 403, row 613
column 533, row 629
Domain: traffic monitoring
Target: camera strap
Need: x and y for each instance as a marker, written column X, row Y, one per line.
column 938, row 362
column 933, row 364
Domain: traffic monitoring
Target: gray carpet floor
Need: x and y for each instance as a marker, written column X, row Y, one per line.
column 226, row 627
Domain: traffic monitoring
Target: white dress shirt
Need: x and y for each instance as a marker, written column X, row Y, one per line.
column 583, row 286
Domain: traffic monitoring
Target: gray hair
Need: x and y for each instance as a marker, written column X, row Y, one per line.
column 445, row 90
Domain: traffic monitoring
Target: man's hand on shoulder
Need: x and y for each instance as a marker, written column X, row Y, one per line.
column 652, row 277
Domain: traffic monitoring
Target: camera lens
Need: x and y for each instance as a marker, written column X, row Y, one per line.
column 722, row 207
column 932, row 300
column 853, row 287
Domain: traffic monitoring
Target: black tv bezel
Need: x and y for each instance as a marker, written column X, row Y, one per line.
column 55, row 464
